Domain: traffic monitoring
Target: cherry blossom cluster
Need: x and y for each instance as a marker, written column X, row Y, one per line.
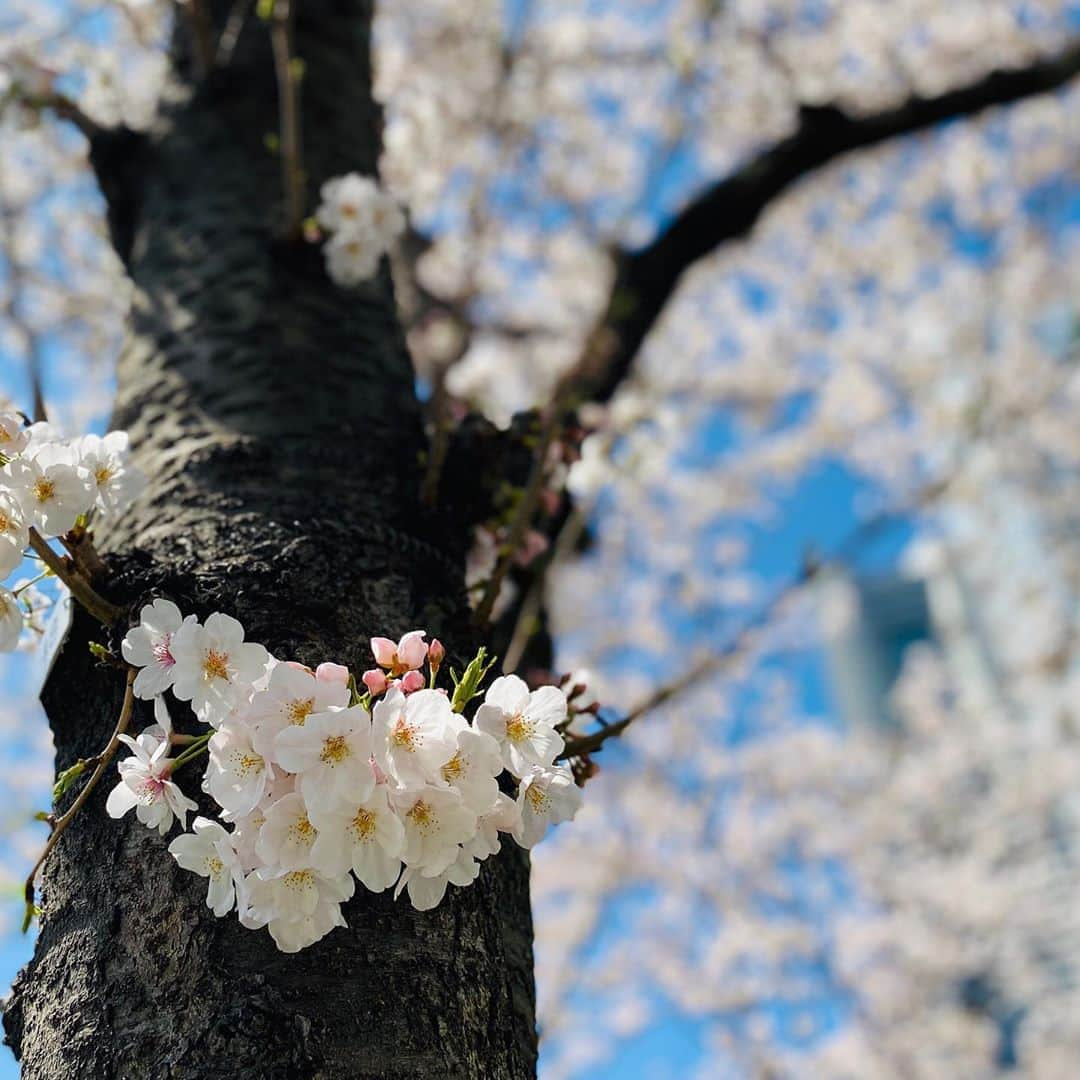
column 51, row 484
column 363, row 220
column 317, row 784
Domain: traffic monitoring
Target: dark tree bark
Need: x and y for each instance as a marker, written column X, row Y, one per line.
column 275, row 417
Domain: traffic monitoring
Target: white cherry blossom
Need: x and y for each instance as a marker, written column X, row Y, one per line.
column 292, row 694
column 414, row 735
column 367, row 838
column 209, row 851
column 11, row 620
column 331, row 753
column 146, row 786
column 14, row 534
column 547, row 796
column 148, row 647
column 50, row 489
column 215, row 669
column 236, row 773
column 473, row 769
column 427, row 892
column 436, row 822
column 287, row 835
column 523, row 723
column 114, row 481
column 298, row 906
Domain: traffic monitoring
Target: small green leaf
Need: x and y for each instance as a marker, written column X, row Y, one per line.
column 32, row 912
column 67, row 778
column 98, row 651
column 467, row 685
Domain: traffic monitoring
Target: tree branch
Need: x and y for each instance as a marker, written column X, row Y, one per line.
column 728, row 209
column 101, row 763
column 106, row 613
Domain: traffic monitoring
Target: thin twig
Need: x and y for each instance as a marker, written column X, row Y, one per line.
column 587, row 744
column 202, row 35
column 230, row 35
column 102, row 763
column 102, row 610
column 288, row 80
column 526, row 508
column 863, row 532
column 530, row 607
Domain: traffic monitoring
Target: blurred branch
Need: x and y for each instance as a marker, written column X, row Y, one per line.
column 728, row 209
column 288, row 73
column 862, row 533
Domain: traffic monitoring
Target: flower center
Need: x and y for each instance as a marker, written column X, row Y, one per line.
column 454, row 769
column 299, row 710
column 245, row 762
column 5, row 521
column 335, row 749
column 404, row 735
column 151, row 789
column 302, row 831
column 215, row 665
column 421, row 815
column 44, row 489
column 518, row 729
column 160, row 649
column 538, row 798
column 363, row 825
column 214, row 866
column 102, row 475
column 300, row 880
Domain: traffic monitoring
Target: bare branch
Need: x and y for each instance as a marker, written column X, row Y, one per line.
column 729, row 208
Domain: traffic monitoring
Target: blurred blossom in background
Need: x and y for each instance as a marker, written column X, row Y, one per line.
column 851, row 849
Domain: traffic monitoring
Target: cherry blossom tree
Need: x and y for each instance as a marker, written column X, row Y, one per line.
column 406, row 303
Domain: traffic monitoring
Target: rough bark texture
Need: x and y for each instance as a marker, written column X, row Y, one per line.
column 276, row 419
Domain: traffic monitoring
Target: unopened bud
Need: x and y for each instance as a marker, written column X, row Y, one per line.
column 375, row 681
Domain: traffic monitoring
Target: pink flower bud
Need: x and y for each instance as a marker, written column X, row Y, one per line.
column 384, row 651
column 436, row 654
column 375, row 681
column 412, row 681
column 412, row 649
column 332, row 673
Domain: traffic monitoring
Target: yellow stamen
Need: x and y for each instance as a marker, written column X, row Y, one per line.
column 454, row 769
column 298, row 711
column 44, row 490
column 363, row 825
column 335, row 749
column 518, row 729
column 215, row 665
column 302, row 831
column 421, row 815
column 538, row 798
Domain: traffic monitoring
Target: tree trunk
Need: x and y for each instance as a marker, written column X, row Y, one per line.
column 276, row 419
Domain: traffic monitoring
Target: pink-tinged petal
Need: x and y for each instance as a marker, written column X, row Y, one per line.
column 297, row 666
column 375, row 681
column 412, row 681
column 384, row 650
column 332, row 673
column 412, row 649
